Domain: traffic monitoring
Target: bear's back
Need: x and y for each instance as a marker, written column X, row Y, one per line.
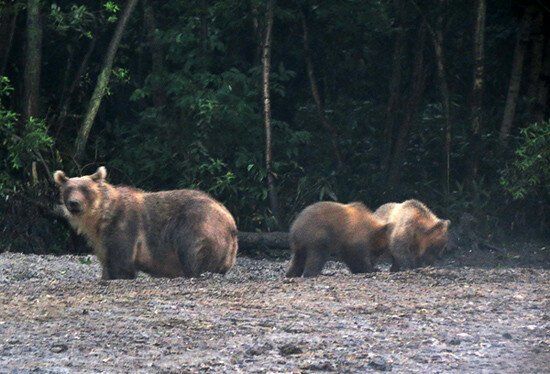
column 333, row 222
column 411, row 216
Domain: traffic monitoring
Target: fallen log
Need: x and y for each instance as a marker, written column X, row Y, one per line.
column 257, row 240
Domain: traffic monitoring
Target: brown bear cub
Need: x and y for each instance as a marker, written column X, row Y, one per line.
column 417, row 237
column 349, row 231
column 166, row 234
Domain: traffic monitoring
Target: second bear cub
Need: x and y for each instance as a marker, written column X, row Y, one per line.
column 349, row 231
column 418, row 236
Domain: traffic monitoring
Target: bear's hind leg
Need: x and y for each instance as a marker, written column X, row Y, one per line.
column 315, row 261
column 394, row 265
column 357, row 260
column 359, row 265
column 190, row 263
column 297, row 264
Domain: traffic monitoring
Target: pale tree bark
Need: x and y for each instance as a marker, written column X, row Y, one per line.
column 418, row 84
column 157, row 54
column 329, row 127
column 395, row 84
column 102, row 80
column 33, row 57
column 266, row 62
column 477, row 87
column 8, row 21
column 535, row 67
column 515, row 75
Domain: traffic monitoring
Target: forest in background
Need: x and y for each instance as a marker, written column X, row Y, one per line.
column 272, row 105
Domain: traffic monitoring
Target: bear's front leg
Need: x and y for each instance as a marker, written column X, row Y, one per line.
column 119, row 262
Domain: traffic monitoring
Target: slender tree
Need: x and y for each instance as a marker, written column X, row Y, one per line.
column 102, row 80
column 157, row 53
column 544, row 85
column 68, row 95
column 477, row 86
column 33, row 57
column 203, row 16
column 536, row 65
column 417, row 86
column 437, row 39
column 329, row 127
column 395, row 83
column 515, row 75
column 256, row 33
column 266, row 62
column 8, row 22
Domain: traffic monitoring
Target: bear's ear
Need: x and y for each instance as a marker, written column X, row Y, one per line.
column 59, row 177
column 100, row 174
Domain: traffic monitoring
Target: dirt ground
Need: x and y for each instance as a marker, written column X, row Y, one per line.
column 479, row 311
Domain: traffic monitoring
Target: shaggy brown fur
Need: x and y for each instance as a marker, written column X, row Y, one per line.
column 417, row 238
column 166, row 234
column 349, row 231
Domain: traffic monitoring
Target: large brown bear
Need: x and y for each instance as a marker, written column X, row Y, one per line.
column 166, row 234
column 417, row 237
column 349, row 231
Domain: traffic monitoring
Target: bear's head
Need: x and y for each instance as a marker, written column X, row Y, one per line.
column 433, row 241
column 81, row 194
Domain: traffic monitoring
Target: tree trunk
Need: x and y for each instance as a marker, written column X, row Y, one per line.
column 33, row 57
column 157, row 54
column 68, row 97
column 535, row 68
column 477, row 87
column 418, row 83
column 102, row 81
column 437, row 41
column 8, row 22
column 542, row 96
column 204, row 25
column 256, row 240
column 67, row 73
column 515, row 75
column 317, row 98
column 257, row 34
column 395, row 85
column 266, row 62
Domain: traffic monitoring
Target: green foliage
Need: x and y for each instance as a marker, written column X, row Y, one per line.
column 78, row 19
column 21, row 141
column 112, row 9
column 529, row 173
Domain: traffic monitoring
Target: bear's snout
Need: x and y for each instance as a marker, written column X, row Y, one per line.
column 74, row 206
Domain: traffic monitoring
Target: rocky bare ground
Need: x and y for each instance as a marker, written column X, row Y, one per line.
column 57, row 316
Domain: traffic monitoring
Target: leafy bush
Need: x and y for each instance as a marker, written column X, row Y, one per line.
column 22, row 142
column 529, row 173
